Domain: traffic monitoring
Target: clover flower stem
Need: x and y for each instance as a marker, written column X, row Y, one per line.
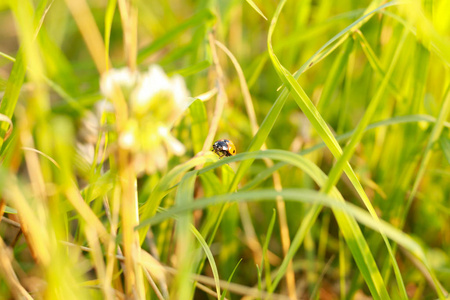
column 134, row 278
column 130, row 219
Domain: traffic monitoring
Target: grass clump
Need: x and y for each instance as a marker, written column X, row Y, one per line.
column 339, row 188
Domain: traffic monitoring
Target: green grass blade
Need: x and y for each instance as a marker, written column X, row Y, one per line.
column 184, row 241
column 303, row 196
column 256, row 8
column 335, row 76
column 12, row 91
column 376, row 64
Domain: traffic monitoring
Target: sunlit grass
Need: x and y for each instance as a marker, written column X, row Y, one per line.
column 109, row 188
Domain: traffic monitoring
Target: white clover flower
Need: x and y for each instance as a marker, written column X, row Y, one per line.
column 151, row 84
column 160, row 94
column 155, row 103
column 117, row 78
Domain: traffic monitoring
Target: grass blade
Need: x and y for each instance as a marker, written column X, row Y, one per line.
column 256, row 8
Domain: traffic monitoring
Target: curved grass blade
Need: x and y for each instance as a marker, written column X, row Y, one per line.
column 210, row 257
column 267, row 125
column 303, row 196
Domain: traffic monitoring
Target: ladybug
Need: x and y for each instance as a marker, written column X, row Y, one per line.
column 224, row 148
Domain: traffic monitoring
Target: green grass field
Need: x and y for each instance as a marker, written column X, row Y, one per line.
column 339, row 112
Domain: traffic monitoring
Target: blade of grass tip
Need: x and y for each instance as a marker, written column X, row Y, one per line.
column 366, row 263
column 109, row 15
column 229, row 279
column 264, row 260
column 256, row 8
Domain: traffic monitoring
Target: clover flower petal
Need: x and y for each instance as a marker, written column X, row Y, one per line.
column 117, row 78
